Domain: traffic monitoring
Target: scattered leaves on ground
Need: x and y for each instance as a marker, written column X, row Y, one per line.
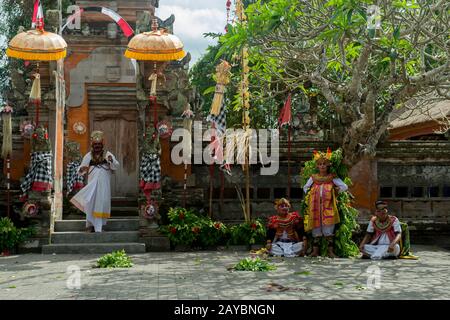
column 116, row 259
column 254, row 264
column 275, row 287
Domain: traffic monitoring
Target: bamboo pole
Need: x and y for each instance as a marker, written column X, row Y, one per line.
column 57, row 211
column 246, row 107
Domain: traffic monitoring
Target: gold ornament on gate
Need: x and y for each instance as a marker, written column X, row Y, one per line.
column 223, row 76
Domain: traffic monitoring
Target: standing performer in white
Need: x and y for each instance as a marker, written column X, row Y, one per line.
column 95, row 198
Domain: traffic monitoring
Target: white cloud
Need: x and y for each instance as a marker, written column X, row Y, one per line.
column 192, row 20
column 195, row 4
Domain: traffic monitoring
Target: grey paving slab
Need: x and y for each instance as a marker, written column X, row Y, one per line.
column 204, row 275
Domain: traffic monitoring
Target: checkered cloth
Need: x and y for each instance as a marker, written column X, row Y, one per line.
column 73, row 179
column 219, row 121
column 40, row 175
column 150, row 170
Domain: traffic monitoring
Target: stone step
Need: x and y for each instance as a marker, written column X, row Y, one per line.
column 124, row 211
column 123, row 224
column 94, row 237
column 86, row 248
column 124, row 202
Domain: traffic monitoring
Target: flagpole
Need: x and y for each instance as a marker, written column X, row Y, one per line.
column 289, row 162
column 286, row 118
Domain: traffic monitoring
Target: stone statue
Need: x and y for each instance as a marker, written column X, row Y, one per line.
column 74, row 181
column 166, row 24
column 143, row 22
column 150, row 171
column 40, row 141
column 52, row 20
column 72, row 151
column 40, row 175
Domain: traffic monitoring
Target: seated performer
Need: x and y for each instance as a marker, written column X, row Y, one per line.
column 285, row 232
column 383, row 234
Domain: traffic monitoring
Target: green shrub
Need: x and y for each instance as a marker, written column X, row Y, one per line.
column 10, row 236
column 248, row 233
column 187, row 227
column 116, row 259
column 254, row 264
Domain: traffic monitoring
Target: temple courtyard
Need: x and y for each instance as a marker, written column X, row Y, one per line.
column 207, row 275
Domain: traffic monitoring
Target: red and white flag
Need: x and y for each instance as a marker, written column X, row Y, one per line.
column 126, row 29
column 285, row 114
column 37, row 21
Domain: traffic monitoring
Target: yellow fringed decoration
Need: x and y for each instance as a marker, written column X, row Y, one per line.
column 154, row 56
column 41, row 56
column 187, row 116
column 35, row 94
column 243, row 144
column 153, row 80
column 7, row 133
column 223, row 76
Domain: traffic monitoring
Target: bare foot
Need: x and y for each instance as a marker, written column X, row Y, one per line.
column 315, row 252
column 331, row 253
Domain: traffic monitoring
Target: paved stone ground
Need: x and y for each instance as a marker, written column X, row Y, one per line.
column 204, row 275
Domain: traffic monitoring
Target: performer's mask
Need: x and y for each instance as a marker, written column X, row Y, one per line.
column 97, row 147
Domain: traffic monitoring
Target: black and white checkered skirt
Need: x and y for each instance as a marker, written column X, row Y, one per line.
column 73, row 179
column 40, row 175
column 150, row 169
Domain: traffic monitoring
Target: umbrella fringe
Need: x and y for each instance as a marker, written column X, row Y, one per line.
column 155, row 56
column 44, row 56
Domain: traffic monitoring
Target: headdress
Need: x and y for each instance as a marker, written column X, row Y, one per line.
column 323, row 156
column 278, row 202
column 381, row 203
column 97, row 136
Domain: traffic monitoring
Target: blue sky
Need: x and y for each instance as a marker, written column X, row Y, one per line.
column 193, row 18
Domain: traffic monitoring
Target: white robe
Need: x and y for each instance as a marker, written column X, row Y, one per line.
column 380, row 249
column 95, row 198
column 287, row 249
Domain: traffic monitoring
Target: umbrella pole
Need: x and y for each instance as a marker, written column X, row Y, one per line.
column 8, row 181
column 185, row 185
column 38, row 102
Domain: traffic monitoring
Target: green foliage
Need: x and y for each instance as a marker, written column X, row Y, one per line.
column 248, row 233
column 188, row 227
column 263, row 111
column 343, row 244
column 116, row 259
column 292, row 43
column 254, row 264
column 10, row 236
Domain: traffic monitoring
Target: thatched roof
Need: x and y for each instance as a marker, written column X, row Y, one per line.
column 410, row 115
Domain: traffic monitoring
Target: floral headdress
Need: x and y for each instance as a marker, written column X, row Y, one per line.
column 278, row 202
column 323, row 156
column 97, row 136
